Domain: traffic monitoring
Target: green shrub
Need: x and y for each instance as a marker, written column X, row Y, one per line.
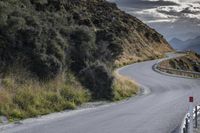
column 46, row 67
column 82, row 47
column 39, row 1
column 99, row 80
column 112, row 43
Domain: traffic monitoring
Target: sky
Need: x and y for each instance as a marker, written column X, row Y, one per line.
column 172, row 18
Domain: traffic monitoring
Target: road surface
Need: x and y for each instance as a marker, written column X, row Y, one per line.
column 160, row 111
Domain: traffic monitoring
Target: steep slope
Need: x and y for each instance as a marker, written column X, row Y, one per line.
column 51, row 48
column 85, row 36
column 138, row 41
column 121, row 36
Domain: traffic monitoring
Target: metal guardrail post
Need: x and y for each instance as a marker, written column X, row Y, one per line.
column 191, row 99
column 196, row 116
column 186, row 125
column 178, row 72
column 184, row 130
column 191, row 118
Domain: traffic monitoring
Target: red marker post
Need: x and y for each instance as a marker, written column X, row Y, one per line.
column 191, row 99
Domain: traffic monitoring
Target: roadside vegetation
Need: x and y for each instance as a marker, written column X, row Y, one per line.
column 189, row 62
column 124, row 87
column 23, row 96
column 56, row 54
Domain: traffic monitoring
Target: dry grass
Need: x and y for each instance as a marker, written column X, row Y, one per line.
column 188, row 62
column 23, row 96
column 130, row 59
column 141, row 49
column 123, row 87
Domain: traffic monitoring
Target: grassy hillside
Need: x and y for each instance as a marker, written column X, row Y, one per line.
column 63, row 53
column 189, row 62
column 23, row 96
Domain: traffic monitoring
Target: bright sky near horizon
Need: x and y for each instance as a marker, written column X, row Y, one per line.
column 172, row 18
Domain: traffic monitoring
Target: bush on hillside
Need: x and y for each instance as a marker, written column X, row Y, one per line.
column 49, row 37
column 46, row 67
column 82, row 47
column 99, row 81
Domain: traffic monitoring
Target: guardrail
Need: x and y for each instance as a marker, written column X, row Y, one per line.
column 179, row 72
column 186, row 126
column 157, row 67
column 196, row 112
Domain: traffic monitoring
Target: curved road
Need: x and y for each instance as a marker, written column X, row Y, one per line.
column 160, row 111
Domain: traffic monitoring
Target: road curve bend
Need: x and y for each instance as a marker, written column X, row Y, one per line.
column 160, row 111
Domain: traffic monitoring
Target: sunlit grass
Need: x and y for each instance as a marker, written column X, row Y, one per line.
column 123, row 87
column 23, row 97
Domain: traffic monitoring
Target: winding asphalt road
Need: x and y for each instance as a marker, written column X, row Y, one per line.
column 159, row 111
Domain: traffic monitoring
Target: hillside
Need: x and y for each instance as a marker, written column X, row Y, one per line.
column 56, row 53
column 189, row 62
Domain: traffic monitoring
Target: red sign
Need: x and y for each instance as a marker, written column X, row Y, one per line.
column 191, row 99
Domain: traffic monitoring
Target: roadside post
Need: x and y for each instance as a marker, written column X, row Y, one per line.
column 196, row 116
column 186, row 125
column 191, row 99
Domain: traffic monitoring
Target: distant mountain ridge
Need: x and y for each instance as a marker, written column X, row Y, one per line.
column 176, row 43
column 190, row 44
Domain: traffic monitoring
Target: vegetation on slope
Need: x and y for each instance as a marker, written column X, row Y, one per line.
column 23, row 96
column 124, row 87
column 189, row 62
column 53, row 39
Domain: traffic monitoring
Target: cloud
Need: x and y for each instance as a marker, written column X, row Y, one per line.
column 175, row 1
column 143, row 3
column 162, row 20
column 161, row 9
column 170, row 17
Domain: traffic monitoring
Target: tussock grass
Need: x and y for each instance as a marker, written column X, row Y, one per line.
column 123, row 87
column 23, row 96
